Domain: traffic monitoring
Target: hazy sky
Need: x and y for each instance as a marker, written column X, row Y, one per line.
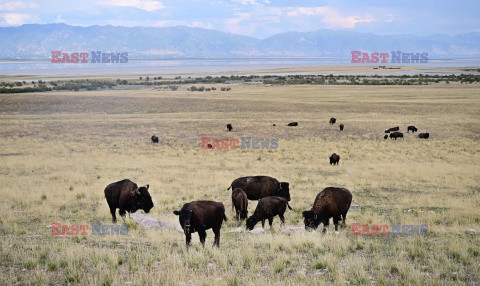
column 257, row 18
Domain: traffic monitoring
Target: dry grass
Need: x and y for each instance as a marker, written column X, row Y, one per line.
column 60, row 150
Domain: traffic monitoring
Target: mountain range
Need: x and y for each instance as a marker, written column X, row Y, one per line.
column 38, row 40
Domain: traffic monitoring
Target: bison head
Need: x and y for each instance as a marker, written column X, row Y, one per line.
column 142, row 199
column 185, row 218
column 243, row 214
column 283, row 190
column 311, row 220
column 251, row 222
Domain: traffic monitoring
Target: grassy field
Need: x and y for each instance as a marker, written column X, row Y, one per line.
column 60, row 149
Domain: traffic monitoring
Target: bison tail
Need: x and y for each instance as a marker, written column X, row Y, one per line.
column 229, row 187
column 289, row 207
column 224, row 217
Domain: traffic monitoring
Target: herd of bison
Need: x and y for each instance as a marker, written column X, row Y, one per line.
column 273, row 199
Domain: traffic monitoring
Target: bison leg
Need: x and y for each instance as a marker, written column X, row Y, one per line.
column 270, row 222
column 335, row 222
column 114, row 216
column 344, row 216
column 216, row 241
column 237, row 213
column 325, row 225
column 203, row 236
column 122, row 214
column 188, row 237
column 263, row 223
column 282, row 219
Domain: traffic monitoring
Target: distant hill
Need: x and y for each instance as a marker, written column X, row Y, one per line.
column 35, row 40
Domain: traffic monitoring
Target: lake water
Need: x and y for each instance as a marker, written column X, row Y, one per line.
column 177, row 66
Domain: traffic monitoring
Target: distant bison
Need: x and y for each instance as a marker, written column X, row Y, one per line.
column 385, row 137
column 411, row 128
column 229, row 127
column 423, row 135
column 334, row 159
column 257, row 187
column 154, row 139
column 331, row 202
column 240, row 202
column 198, row 216
column 293, row 124
column 392, row 129
column 128, row 197
column 333, row 120
column 341, row 127
column 209, row 146
column 274, row 124
column 268, row 208
column 396, row 135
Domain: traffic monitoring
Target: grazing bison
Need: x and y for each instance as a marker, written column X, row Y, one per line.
column 154, row 139
column 423, row 135
column 258, row 187
column 274, row 124
column 240, row 202
column 385, row 137
column 198, row 216
column 392, row 129
column 341, row 127
column 329, row 203
column 396, row 135
column 333, row 120
column 293, row 124
column 229, row 127
column 128, row 197
column 334, row 159
column 268, row 208
column 411, row 128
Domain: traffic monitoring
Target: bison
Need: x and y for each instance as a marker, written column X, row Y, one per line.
column 392, row 129
column 396, row 135
column 229, row 127
column 293, row 124
column 274, row 124
column 385, row 137
column 341, row 127
column 423, row 135
column 128, row 197
column 332, row 120
column 411, row 128
column 258, row 187
column 330, row 203
column 334, row 159
column 209, row 146
column 198, row 216
column 154, row 139
column 268, row 208
column 240, row 203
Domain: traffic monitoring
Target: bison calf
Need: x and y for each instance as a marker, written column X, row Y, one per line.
column 293, row 124
column 229, row 127
column 332, row 120
column 268, row 208
column 240, row 203
column 154, row 139
column 411, row 128
column 329, row 203
column 341, row 127
column 396, row 135
column 128, row 197
column 423, row 135
column 198, row 216
column 334, row 159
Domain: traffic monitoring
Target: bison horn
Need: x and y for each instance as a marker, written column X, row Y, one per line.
column 147, row 186
column 137, row 192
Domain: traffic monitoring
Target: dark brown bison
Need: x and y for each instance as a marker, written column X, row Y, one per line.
column 385, row 137
column 423, row 135
column 411, row 128
column 341, row 127
column 293, row 124
column 209, row 146
column 198, row 216
column 268, row 208
column 154, row 139
column 128, row 197
column 240, row 203
column 332, row 120
column 274, row 124
column 334, row 159
column 392, row 129
column 257, row 187
column 229, row 127
column 396, row 135
column 329, row 203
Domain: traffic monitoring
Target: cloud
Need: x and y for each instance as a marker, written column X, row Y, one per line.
column 15, row 5
column 197, row 24
column 15, row 19
column 331, row 17
column 147, row 5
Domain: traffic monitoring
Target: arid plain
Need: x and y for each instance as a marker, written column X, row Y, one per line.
column 60, row 149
